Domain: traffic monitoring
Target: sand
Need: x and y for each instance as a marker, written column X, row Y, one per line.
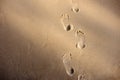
column 33, row 39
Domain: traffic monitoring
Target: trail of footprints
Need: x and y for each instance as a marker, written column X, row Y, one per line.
column 79, row 37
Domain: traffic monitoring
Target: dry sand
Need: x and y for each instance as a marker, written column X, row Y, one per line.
column 33, row 39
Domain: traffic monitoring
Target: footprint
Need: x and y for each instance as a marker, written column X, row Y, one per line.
column 75, row 6
column 67, row 58
column 80, row 37
column 65, row 22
